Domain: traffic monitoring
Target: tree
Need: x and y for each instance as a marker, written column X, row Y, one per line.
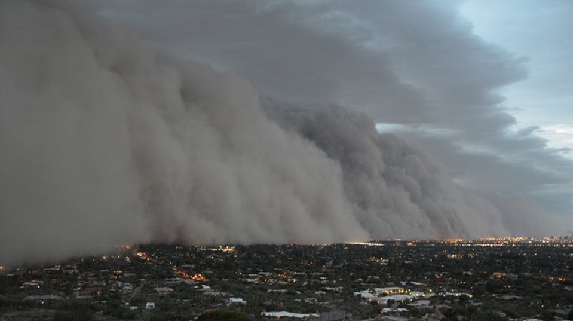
column 223, row 315
column 490, row 316
column 547, row 315
column 450, row 315
column 74, row 310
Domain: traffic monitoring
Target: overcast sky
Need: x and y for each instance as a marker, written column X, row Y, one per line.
column 540, row 31
column 484, row 87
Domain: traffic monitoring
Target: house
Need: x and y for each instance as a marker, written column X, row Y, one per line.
column 455, row 294
column 285, row 314
column 149, row 305
column 417, row 294
column 163, row 290
column 389, row 290
column 87, row 293
column 43, row 298
column 390, row 318
column 395, row 298
column 377, row 296
column 34, row 284
column 393, row 310
column 239, row 301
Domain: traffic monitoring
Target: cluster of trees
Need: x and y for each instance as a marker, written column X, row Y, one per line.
column 224, row 315
column 74, row 310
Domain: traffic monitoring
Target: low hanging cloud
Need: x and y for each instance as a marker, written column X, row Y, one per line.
column 398, row 191
column 104, row 141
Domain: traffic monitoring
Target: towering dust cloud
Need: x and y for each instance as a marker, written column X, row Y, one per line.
column 104, row 141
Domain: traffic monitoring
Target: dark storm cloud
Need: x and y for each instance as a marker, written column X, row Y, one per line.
column 281, row 48
column 413, row 63
column 396, row 190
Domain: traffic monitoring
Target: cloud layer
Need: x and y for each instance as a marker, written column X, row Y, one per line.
column 105, row 141
column 398, row 191
column 416, row 65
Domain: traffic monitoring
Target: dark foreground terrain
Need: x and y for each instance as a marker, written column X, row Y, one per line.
column 488, row 279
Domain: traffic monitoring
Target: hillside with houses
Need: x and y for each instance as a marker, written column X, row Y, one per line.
column 396, row 280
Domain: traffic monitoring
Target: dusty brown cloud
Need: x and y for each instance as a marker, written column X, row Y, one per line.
column 103, row 141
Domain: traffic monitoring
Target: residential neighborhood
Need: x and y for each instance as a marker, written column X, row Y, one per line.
column 398, row 280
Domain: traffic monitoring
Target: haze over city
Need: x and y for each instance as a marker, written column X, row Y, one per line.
column 281, row 122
